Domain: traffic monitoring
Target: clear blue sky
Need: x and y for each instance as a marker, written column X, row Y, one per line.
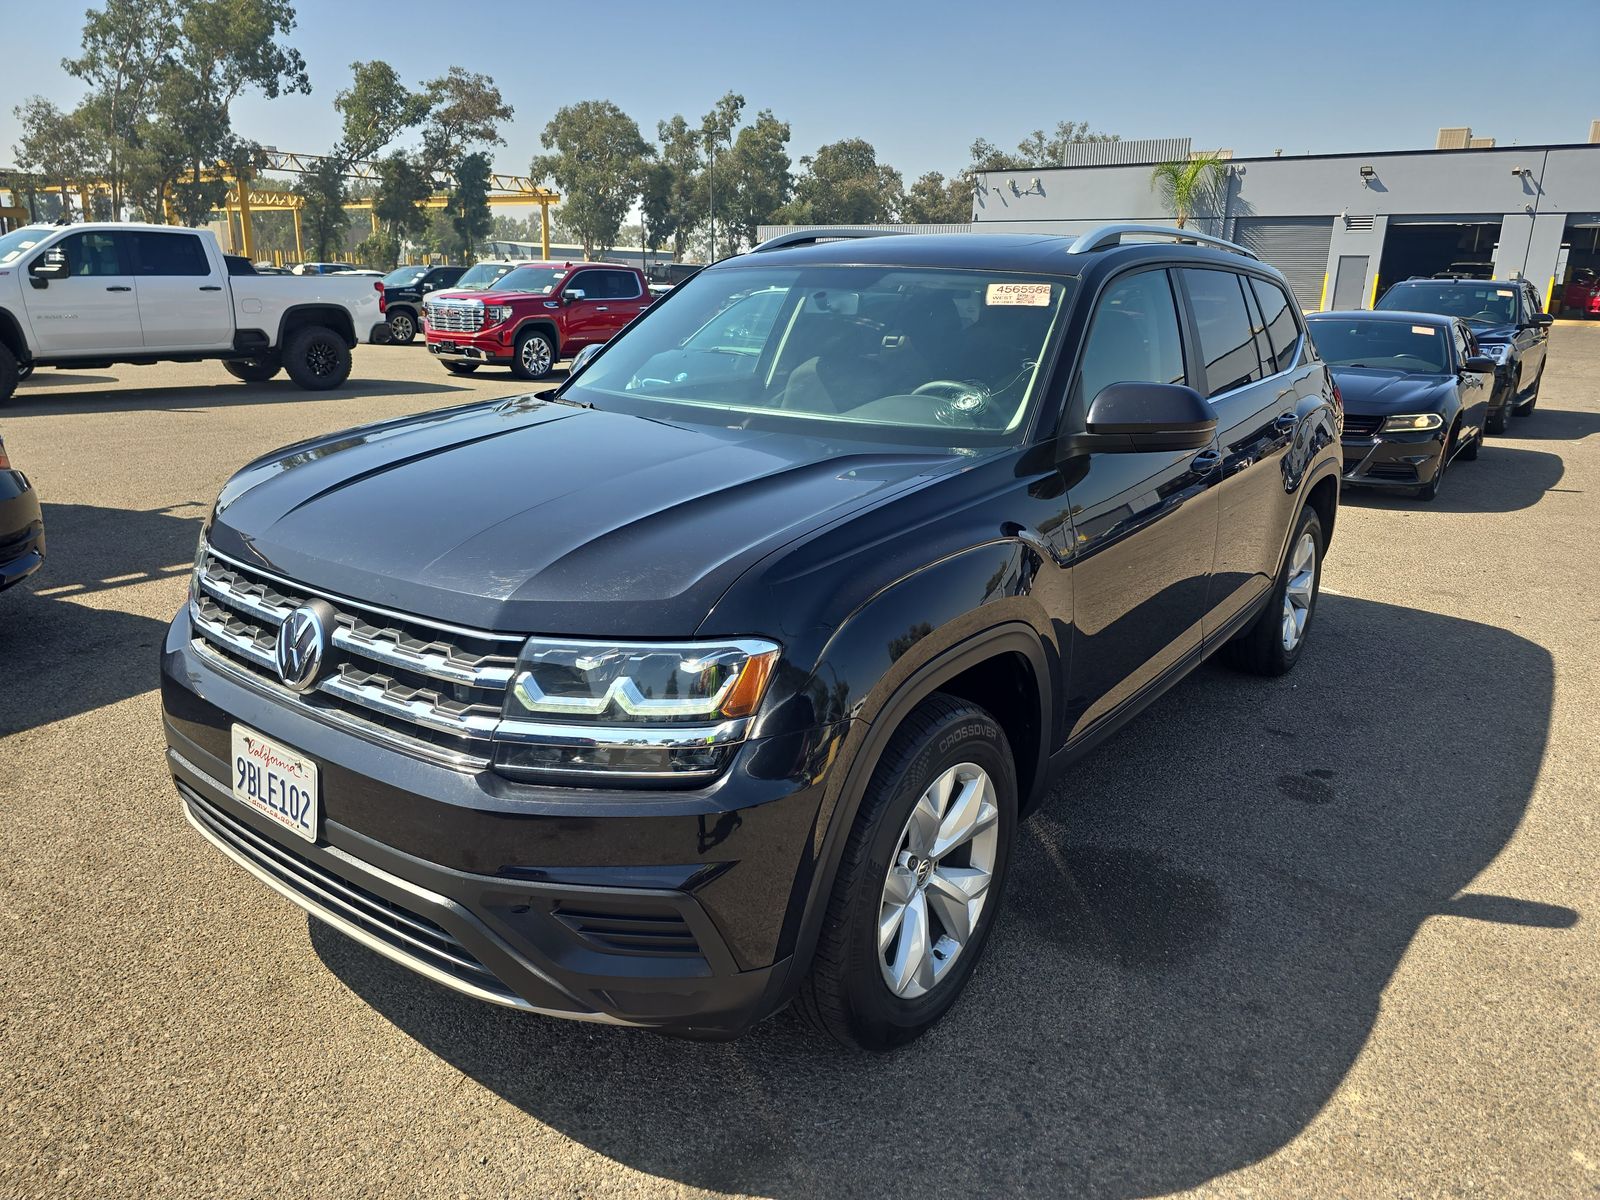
column 922, row 81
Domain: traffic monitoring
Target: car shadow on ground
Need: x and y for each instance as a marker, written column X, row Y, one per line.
column 1555, row 425
column 1199, row 929
column 1504, row 478
column 65, row 651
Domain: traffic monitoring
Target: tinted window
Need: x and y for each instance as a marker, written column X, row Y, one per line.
column 1134, row 338
column 1227, row 343
column 1463, row 341
column 93, row 254
column 1382, row 345
column 168, row 254
column 1479, row 303
column 607, row 285
column 1278, row 313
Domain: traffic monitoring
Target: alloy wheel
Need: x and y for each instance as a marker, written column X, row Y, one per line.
column 401, row 328
column 535, row 355
column 1300, row 591
column 938, row 880
column 321, row 359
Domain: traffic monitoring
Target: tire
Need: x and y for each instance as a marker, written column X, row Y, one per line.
column 1499, row 420
column 849, row 993
column 316, row 358
column 9, row 373
column 1469, row 452
column 1527, row 406
column 1261, row 649
column 458, row 368
column 1429, row 491
column 402, row 327
column 254, row 370
column 535, row 357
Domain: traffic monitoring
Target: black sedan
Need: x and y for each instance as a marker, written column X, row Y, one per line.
column 1416, row 394
column 21, row 527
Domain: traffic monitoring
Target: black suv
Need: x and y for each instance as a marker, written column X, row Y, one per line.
column 1505, row 317
column 723, row 674
column 403, row 292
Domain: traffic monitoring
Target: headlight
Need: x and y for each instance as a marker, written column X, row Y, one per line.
column 1499, row 351
column 1412, row 423
column 493, row 314
column 642, row 711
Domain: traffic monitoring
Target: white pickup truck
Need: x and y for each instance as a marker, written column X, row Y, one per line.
column 99, row 293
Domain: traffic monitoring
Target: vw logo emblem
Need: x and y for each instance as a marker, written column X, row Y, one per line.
column 302, row 645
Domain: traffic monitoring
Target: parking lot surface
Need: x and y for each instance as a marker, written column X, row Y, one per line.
column 1334, row 934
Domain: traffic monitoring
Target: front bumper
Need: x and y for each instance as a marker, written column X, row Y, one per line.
column 1400, row 460
column 21, row 529
column 670, row 910
column 487, row 347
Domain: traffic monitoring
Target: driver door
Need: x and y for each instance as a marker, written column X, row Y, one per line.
column 95, row 309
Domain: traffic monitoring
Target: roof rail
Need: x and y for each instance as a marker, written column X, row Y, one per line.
column 1112, row 235
column 808, row 237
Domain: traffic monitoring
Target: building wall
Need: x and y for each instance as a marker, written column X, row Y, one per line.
column 1442, row 185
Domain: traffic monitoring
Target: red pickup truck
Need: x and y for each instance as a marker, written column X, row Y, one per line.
column 535, row 314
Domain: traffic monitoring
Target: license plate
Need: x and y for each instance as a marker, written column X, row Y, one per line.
column 275, row 781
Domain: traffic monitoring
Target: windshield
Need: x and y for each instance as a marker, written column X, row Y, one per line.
column 1488, row 304
column 482, row 275
column 19, row 241
column 1382, row 345
column 539, row 280
column 404, row 276
column 930, row 357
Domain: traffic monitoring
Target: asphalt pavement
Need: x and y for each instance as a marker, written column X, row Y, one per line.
column 1336, row 934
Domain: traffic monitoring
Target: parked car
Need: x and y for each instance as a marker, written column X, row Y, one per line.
column 533, row 316
column 403, row 291
column 1507, row 321
column 1415, row 394
column 332, row 268
column 98, row 294
column 266, row 268
column 723, row 674
column 21, row 525
column 1582, row 293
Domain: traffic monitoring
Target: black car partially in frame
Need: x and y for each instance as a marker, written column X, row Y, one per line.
column 21, row 525
column 1415, row 390
column 722, row 675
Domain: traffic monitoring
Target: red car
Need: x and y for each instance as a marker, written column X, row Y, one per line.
column 1582, row 293
column 533, row 316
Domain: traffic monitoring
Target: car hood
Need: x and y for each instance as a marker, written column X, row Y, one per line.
column 1493, row 333
column 533, row 516
column 1367, row 390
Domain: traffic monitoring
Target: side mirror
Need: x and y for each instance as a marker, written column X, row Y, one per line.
column 1479, row 364
column 580, row 360
column 52, row 264
column 1542, row 320
column 573, row 295
column 1140, row 417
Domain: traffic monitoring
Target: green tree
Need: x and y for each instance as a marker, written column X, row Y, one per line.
column 402, row 187
column 1188, row 186
column 1036, row 150
column 54, row 145
column 465, row 111
column 323, row 218
column 758, row 177
column 716, row 134
column 469, row 201
column 675, row 196
column 381, row 250
column 377, row 108
column 844, row 184
column 934, row 200
column 598, row 163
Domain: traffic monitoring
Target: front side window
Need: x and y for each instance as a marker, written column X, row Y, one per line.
column 1382, row 345
column 1282, row 329
column 167, row 254
column 93, row 254
column 1134, row 336
column 608, row 285
column 912, row 355
column 1478, row 304
column 1227, row 343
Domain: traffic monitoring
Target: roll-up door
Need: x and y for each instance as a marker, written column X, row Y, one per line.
column 1297, row 246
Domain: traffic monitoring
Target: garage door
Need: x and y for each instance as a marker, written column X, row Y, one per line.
column 1297, row 246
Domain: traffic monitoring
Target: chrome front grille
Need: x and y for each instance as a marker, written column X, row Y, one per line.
column 433, row 689
column 459, row 317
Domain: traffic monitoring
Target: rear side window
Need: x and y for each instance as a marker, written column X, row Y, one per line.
column 1282, row 329
column 168, row 254
column 1227, row 344
column 1134, row 337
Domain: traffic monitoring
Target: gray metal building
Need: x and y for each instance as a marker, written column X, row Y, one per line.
column 1343, row 226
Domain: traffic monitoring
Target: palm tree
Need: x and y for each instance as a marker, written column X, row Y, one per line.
column 1183, row 185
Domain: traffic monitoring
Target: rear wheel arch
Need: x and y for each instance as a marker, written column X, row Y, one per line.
column 331, row 315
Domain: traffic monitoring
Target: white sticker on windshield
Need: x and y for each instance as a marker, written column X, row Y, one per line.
column 1034, row 295
column 1424, row 330
column 1504, row 292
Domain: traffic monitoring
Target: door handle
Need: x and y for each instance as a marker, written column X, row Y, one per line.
column 603, row 308
column 211, row 287
column 1205, row 462
column 119, row 288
